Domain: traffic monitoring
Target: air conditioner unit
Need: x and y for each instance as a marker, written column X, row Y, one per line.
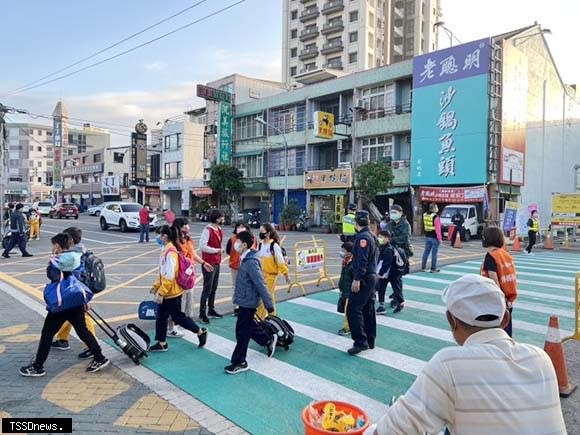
column 244, row 173
column 210, row 129
column 360, row 104
column 407, row 139
column 206, row 164
column 207, row 176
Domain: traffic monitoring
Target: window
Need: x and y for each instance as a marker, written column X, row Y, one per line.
column 371, row 20
column 39, row 179
column 39, row 164
column 172, row 142
column 371, row 40
column 172, row 170
column 310, row 66
column 40, row 132
column 252, row 166
column 49, row 133
column 292, row 71
column 410, row 26
column 85, row 160
column 293, row 33
column 31, row 147
column 353, row 16
column 294, row 14
column 370, row 60
column 246, row 127
column 378, row 99
column 353, row 37
column 97, row 158
column 377, row 148
column 39, row 149
column 353, row 57
column 293, row 52
column 276, row 163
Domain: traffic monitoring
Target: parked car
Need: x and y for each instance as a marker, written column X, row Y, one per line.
column 473, row 215
column 124, row 215
column 95, row 210
column 64, row 210
column 43, row 207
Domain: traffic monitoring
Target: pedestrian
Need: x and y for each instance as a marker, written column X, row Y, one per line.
column 433, row 237
column 345, row 284
column 34, row 222
column 488, row 384
column 499, row 266
column 361, row 302
column 7, row 213
column 210, row 244
column 144, row 223
column 388, row 272
column 533, row 225
column 400, row 230
column 250, row 290
column 239, row 227
column 17, row 227
column 273, row 263
column 188, row 249
column 457, row 220
column 61, row 266
column 169, row 216
column 348, row 231
column 63, row 334
column 168, row 293
column 384, row 223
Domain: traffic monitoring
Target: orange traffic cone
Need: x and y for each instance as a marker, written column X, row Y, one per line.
column 549, row 243
column 457, row 243
column 555, row 351
column 516, row 246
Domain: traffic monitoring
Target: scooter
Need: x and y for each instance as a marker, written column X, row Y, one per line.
column 254, row 220
column 302, row 222
column 8, row 235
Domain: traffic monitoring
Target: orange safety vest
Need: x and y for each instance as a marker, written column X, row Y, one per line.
column 234, row 255
column 506, row 273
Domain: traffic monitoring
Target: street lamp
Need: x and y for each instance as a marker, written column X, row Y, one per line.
column 524, row 38
column 448, row 31
column 261, row 120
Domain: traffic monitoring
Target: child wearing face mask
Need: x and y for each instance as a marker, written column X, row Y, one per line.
column 345, row 283
column 387, row 273
column 234, row 256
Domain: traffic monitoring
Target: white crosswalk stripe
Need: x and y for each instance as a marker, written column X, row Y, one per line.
column 520, row 265
column 519, row 272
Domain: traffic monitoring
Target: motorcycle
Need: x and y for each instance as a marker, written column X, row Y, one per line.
column 254, row 220
column 302, row 222
column 8, row 235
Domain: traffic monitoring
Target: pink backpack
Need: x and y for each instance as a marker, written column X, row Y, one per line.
column 185, row 271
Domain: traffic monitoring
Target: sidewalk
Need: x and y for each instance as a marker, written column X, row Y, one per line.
column 123, row 398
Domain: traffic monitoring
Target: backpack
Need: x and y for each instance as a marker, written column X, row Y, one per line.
column 185, row 271
column 280, row 327
column 401, row 261
column 284, row 254
column 93, row 272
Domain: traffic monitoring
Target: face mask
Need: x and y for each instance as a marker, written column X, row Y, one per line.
column 263, row 236
column 238, row 246
column 341, row 255
column 159, row 241
column 382, row 241
column 395, row 216
column 240, row 230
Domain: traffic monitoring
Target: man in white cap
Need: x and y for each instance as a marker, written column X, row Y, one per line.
column 489, row 384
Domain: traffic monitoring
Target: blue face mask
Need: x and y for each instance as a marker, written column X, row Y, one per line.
column 159, row 241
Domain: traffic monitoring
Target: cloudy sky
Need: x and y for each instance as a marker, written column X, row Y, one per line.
column 158, row 81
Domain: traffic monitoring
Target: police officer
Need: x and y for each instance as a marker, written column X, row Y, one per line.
column 361, row 302
column 458, row 220
column 348, row 222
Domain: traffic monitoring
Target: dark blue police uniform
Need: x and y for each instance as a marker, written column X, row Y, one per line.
column 361, row 305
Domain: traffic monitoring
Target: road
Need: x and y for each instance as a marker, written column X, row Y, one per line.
column 316, row 367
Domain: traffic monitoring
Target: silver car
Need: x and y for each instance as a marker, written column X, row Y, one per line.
column 95, row 210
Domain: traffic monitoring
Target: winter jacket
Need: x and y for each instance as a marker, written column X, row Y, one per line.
column 273, row 264
column 386, row 260
column 67, row 263
column 166, row 285
column 250, row 285
column 401, row 233
column 346, row 277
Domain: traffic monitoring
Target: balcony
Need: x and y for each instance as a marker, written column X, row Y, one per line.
column 332, row 47
column 334, row 65
column 335, row 26
column 333, row 6
column 308, row 69
column 310, row 33
column 305, row 1
column 398, row 109
column 309, row 14
column 308, row 53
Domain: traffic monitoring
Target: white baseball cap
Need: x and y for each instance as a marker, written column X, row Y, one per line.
column 473, row 296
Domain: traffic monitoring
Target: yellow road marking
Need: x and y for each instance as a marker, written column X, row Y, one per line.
column 21, row 285
column 115, row 302
column 123, row 284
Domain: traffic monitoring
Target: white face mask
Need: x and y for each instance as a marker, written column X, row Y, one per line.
column 238, row 246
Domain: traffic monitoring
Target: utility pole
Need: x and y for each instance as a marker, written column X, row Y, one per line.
column 3, row 135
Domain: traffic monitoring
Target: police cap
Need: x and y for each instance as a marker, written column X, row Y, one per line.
column 362, row 218
column 352, row 207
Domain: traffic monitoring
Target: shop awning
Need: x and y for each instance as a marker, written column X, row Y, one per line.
column 395, row 191
column 249, row 153
column 327, row 192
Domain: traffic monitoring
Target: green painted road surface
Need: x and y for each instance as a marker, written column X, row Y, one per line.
column 269, row 398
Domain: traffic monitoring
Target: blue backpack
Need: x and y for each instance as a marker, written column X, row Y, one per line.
column 66, row 294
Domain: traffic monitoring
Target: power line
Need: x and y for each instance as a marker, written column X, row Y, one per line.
column 107, row 48
column 219, row 11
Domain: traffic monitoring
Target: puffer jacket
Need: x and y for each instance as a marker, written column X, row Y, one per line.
column 166, row 285
column 250, row 285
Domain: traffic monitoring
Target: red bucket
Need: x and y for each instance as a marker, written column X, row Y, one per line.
column 311, row 429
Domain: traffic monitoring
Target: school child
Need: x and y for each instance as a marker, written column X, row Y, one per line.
column 34, row 221
column 234, row 256
column 61, row 266
column 388, row 272
column 345, row 284
column 63, row 335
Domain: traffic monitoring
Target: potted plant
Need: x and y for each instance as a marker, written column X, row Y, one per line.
column 290, row 215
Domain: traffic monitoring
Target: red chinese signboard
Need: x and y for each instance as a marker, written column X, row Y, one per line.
column 452, row 195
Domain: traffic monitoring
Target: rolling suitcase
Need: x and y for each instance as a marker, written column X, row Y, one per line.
column 131, row 339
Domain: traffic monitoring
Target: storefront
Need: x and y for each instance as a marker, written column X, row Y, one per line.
column 328, row 195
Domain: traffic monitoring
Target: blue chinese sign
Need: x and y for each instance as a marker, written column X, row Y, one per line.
column 450, row 115
column 225, row 133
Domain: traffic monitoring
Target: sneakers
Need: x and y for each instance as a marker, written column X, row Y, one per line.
column 28, row 255
column 31, row 371
column 158, row 347
column 202, row 337
column 5, row 255
column 203, row 319
column 61, row 345
column 425, row 270
column 393, row 303
column 381, row 309
column 175, row 333
column 435, row 270
column 272, row 345
column 234, row 369
column 357, row 349
column 343, row 332
column 86, row 354
column 399, row 308
column 95, row 366
column 213, row 314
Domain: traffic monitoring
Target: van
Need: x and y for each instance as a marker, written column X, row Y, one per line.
column 473, row 215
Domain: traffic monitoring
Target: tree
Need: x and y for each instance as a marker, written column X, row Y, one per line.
column 372, row 178
column 227, row 182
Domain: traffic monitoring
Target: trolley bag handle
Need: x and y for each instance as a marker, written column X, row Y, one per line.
column 107, row 329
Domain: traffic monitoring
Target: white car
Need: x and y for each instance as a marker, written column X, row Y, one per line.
column 124, row 215
column 43, row 207
column 95, row 210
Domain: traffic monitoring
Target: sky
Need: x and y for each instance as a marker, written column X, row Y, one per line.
column 158, row 81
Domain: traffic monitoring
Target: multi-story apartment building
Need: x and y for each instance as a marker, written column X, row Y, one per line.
column 323, row 39
column 31, row 156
